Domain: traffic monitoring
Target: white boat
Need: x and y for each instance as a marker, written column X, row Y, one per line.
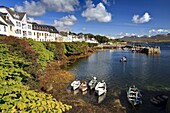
column 92, row 83
column 101, row 98
column 134, row 95
column 100, row 88
column 75, row 84
column 83, row 86
column 123, row 59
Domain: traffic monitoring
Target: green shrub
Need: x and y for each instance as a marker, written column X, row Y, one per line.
column 60, row 50
column 14, row 95
column 73, row 48
column 44, row 55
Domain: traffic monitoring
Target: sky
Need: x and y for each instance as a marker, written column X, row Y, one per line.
column 113, row 18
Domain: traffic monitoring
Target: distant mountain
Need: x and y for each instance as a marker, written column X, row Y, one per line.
column 156, row 38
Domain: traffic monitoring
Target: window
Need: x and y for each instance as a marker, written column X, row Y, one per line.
column 29, row 33
column 18, row 23
column 23, row 26
column 11, row 28
column 4, row 29
column 24, row 33
column 29, row 26
column 18, row 31
column 34, row 34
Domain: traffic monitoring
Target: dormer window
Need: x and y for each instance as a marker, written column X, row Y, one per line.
column 16, row 16
column 6, row 17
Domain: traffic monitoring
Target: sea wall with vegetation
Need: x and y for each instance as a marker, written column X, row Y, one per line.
column 22, row 64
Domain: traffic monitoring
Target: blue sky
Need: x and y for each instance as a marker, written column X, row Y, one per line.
column 106, row 17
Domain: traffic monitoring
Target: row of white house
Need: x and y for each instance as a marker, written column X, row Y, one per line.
column 16, row 24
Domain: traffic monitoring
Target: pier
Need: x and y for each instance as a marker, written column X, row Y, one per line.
column 146, row 50
column 117, row 45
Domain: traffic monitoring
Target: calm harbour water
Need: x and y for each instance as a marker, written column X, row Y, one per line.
column 150, row 73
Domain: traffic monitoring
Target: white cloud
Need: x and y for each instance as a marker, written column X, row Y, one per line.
column 31, row 8
column 98, row 13
column 105, row 2
column 138, row 20
column 89, row 4
column 39, row 8
column 33, row 20
column 65, row 22
column 84, row 28
column 109, row 2
column 61, row 5
column 159, row 31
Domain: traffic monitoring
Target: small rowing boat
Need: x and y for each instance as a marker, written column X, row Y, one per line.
column 75, row 84
column 83, row 86
column 134, row 95
column 92, row 83
column 100, row 88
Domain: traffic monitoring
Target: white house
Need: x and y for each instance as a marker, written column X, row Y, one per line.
column 16, row 24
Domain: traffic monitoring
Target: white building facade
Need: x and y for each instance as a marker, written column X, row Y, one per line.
column 14, row 23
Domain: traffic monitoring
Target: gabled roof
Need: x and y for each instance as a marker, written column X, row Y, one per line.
column 1, row 23
column 14, row 14
column 2, row 15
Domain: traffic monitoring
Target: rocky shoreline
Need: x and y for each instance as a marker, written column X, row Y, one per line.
column 55, row 81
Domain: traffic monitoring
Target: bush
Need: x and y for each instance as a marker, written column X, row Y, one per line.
column 44, row 55
column 60, row 50
column 16, row 97
column 75, row 48
column 23, row 49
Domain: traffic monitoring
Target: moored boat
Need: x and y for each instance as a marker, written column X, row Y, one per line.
column 83, row 86
column 159, row 100
column 134, row 95
column 100, row 88
column 92, row 83
column 75, row 84
column 123, row 59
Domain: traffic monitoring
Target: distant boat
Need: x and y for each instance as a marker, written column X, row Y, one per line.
column 75, row 84
column 83, row 86
column 100, row 88
column 92, row 83
column 123, row 59
column 134, row 95
column 159, row 100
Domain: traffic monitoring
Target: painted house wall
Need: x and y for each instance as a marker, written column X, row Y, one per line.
column 3, row 30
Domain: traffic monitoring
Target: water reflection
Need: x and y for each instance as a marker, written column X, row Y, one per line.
column 75, row 92
column 101, row 98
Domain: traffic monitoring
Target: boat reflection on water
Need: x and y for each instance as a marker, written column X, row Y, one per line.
column 69, row 89
column 84, row 92
column 91, row 92
column 75, row 92
column 101, row 98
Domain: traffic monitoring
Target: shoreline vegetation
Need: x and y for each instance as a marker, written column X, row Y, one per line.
column 32, row 79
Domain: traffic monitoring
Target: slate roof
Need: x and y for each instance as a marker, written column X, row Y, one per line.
column 14, row 14
column 41, row 27
column 7, row 21
column 1, row 23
